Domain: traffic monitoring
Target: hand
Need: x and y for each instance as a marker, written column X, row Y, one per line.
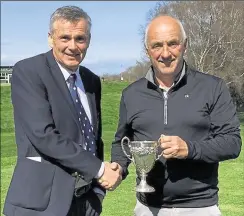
column 111, row 177
column 115, row 166
column 173, row 147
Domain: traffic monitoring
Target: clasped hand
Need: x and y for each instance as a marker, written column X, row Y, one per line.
column 173, row 147
column 111, row 177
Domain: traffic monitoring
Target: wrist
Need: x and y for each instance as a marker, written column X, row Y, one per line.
column 100, row 172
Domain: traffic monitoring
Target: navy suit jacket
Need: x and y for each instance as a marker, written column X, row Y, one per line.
column 46, row 125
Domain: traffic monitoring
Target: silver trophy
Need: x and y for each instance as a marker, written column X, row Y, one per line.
column 144, row 155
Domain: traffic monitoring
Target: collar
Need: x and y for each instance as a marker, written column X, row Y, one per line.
column 150, row 76
column 66, row 72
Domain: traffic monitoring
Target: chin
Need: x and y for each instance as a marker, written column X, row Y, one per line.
column 71, row 66
column 73, row 63
column 167, row 70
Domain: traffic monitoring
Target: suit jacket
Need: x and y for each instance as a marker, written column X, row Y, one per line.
column 46, row 125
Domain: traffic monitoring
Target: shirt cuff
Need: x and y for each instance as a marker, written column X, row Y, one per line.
column 100, row 172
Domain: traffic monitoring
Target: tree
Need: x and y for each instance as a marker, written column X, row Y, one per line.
column 215, row 37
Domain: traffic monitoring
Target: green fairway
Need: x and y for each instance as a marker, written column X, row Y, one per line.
column 121, row 202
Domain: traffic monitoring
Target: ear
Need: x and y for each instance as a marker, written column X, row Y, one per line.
column 89, row 40
column 185, row 45
column 146, row 49
column 50, row 40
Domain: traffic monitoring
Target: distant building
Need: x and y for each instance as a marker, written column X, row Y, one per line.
column 121, row 77
column 6, row 74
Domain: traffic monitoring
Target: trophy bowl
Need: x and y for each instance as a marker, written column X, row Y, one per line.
column 144, row 156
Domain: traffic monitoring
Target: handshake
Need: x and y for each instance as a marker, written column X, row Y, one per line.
column 112, row 176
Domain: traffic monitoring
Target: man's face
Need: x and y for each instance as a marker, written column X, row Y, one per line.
column 165, row 47
column 69, row 42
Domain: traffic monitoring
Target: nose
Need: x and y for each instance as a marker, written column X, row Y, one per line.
column 165, row 52
column 72, row 45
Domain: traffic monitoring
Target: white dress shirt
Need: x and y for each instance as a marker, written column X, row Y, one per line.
column 83, row 98
column 80, row 88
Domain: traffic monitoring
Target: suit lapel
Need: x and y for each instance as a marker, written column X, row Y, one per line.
column 89, row 90
column 60, row 81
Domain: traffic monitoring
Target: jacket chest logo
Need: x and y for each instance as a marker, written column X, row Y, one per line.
column 186, row 95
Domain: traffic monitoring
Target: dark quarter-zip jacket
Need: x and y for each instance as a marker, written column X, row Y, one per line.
column 199, row 109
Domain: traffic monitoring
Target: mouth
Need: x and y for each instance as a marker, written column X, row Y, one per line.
column 166, row 62
column 72, row 55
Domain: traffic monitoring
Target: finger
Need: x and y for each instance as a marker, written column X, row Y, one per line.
column 114, row 166
column 166, row 139
column 110, row 189
column 160, row 138
column 116, row 184
column 168, row 151
column 169, row 156
column 120, row 171
column 100, row 180
column 105, row 185
column 166, row 145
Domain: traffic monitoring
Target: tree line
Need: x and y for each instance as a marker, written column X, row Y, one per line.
column 215, row 36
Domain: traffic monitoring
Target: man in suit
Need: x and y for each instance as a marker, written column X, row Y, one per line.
column 57, row 116
column 194, row 112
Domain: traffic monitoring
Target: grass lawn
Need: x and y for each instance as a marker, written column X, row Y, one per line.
column 121, row 201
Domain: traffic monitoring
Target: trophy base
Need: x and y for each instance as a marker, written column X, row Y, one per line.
column 144, row 189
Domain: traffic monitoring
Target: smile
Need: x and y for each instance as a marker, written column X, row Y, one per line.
column 168, row 61
column 72, row 55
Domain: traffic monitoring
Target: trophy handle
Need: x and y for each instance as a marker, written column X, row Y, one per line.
column 158, row 146
column 122, row 145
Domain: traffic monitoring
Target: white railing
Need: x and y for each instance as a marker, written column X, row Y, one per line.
column 5, row 77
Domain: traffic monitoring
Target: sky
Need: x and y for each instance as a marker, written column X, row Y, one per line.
column 116, row 43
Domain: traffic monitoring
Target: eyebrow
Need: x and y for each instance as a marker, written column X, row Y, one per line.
column 167, row 42
column 77, row 36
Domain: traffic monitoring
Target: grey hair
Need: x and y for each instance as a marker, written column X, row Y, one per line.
column 71, row 14
column 183, row 33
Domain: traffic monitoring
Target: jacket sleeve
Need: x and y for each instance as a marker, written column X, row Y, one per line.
column 33, row 112
column 224, row 141
column 124, row 129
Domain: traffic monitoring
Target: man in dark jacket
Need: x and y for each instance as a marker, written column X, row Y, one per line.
column 195, row 114
column 57, row 115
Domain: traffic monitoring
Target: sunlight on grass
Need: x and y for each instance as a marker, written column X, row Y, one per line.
column 121, row 202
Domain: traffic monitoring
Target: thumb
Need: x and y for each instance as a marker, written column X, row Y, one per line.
column 114, row 166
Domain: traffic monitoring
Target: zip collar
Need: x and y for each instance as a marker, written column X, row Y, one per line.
column 150, row 76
